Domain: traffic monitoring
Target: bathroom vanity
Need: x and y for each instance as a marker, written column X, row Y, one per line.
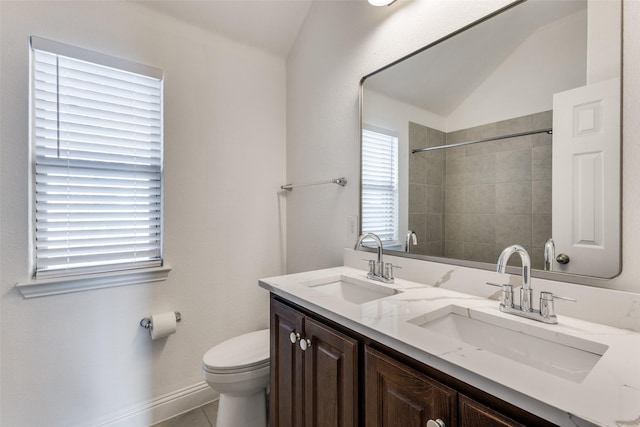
column 342, row 377
column 348, row 351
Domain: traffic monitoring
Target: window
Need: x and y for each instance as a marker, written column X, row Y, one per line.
column 380, row 184
column 96, row 150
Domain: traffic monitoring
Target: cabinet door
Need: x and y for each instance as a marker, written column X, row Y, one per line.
column 474, row 414
column 396, row 395
column 331, row 379
column 286, row 405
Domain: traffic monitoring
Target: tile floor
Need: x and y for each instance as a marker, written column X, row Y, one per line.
column 205, row 416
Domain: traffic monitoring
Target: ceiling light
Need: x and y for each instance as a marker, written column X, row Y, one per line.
column 381, row 2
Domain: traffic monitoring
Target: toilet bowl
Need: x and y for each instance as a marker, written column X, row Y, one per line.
column 239, row 370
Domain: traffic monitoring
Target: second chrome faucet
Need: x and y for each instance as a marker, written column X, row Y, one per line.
column 546, row 312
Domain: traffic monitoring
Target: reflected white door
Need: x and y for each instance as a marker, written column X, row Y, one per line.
column 586, row 179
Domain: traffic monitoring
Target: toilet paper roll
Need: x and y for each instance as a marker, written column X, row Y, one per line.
column 162, row 325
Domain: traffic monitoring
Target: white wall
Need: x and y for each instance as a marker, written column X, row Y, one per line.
column 323, row 72
column 603, row 55
column 70, row 359
column 523, row 83
column 340, row 43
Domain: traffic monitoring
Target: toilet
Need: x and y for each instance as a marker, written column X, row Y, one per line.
column 239, row 370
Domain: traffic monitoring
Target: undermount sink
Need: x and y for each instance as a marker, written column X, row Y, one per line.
column 351, row 289
column 562, row 355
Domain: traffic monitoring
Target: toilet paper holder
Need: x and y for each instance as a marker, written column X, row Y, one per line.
column 146, row 322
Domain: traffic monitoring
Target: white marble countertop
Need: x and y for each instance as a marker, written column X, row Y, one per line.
column 609, row 395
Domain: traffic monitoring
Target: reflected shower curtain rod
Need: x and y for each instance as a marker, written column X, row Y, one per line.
column 495, row 138
column 340, row 181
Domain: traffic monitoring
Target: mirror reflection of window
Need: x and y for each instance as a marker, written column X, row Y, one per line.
column 380, row 184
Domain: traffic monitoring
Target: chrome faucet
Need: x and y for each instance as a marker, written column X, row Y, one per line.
column 526, row 293
column 546, row 313
column 378, row 269
column 411, row 239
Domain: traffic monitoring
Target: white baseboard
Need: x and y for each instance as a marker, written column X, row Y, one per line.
column 159, row 409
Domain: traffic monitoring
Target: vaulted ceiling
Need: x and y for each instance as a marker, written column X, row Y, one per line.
column 272, row 25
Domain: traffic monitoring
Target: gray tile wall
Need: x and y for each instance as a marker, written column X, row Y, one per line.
column 426, row 190
column 470, row 202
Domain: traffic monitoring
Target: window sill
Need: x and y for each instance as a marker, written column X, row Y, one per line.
column 64, row 285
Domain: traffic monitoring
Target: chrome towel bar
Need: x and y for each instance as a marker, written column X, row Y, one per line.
column 340, row 181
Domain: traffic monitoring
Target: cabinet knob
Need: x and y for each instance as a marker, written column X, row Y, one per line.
column 436, row 423
column 305, row 343
column 563, row 259
column 294, row 337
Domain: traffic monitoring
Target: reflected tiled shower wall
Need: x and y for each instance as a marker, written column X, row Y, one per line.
column 471, row 202
column 426, row 190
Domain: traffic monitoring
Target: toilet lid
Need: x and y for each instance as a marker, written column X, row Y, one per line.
column 248, row 351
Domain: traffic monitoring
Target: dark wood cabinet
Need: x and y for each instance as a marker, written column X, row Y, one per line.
column 287, row 369
column 331, row 377
column 324, row 374
column 314, row 372
column 398, row 396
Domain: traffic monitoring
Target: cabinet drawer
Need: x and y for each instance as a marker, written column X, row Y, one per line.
column 474, row 414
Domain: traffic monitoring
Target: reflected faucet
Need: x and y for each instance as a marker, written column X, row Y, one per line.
column 378, row 270
column 411, row 239
column 526, row 293
column 549, row 254
column 546, row 313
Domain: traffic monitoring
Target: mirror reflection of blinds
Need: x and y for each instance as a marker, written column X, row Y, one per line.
column 380, row 185
column 97, row 150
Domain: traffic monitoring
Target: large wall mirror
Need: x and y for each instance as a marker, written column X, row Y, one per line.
column 506, row 132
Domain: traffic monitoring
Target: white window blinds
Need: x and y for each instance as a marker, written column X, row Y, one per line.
column 380, row 185
column 96, row 136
